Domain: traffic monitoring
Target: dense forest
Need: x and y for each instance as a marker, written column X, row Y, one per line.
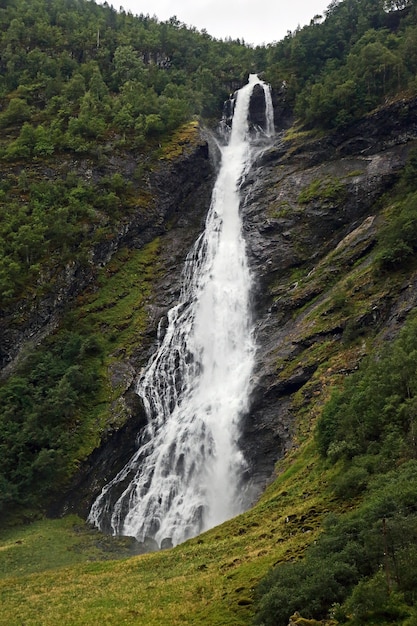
column 83, row 83
column 83, row 79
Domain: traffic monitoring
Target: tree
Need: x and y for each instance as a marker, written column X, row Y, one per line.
column 24, row 146
column 18, row 111
column 128, row 66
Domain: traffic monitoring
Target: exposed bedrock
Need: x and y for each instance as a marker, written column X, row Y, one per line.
column 292, row 230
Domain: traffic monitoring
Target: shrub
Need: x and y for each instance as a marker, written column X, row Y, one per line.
column 17, row 112
column 397, row 240
column 38, row 423
column 350, row 482
column 372, row 599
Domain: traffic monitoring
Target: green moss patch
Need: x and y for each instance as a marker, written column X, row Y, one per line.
column 329, row 190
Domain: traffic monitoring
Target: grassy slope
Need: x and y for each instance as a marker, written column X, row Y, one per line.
column 208, row 580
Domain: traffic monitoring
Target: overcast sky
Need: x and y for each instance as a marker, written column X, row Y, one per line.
column 255, row 21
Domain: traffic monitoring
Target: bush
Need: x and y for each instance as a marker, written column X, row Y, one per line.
column 17, row 112
column 397, row 240
column 368, row 428
column 371, row 599
column 342, row 570
column 38, row 423
column 351, row 482
column 358, row 420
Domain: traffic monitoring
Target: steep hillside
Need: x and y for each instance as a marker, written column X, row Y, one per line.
column 314, row 213
column 108, row 156
column 83, row 190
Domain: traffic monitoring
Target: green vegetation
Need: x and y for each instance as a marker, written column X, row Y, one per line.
column 362, row 569
column 74, row 73
column 323, row 190
column 81, row 85
column 115, row 311
column 56, row 404
column 47, row 544
column 39, row 422
column 397, row 240
column 84, row 80
column 49, row 222
column 207, row 580
column 340, row 68
column 92, row 101
column 358, row 422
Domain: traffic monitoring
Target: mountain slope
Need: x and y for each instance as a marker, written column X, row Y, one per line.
column 105, row 180
column 322, row 305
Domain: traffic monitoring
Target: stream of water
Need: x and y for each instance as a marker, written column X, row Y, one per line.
column 186, row 475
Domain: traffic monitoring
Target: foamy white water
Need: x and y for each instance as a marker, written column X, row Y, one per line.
column 186, row 475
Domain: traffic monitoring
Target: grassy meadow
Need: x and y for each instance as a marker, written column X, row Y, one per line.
column 63, row 572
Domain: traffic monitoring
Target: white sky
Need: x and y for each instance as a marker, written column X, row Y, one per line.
column 255, row 21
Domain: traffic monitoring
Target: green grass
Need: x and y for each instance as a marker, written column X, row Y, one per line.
column 50, row 544
column 47, row 578
column 116, row 308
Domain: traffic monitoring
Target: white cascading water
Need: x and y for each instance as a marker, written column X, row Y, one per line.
column 186, row 475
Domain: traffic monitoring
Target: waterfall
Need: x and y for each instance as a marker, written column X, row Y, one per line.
column 187, row 473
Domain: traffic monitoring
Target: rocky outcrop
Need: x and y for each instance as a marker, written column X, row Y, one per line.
column 283, row 114
column 257, row 108
column 298, row 620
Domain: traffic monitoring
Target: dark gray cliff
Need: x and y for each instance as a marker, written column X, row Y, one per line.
column 310, row 213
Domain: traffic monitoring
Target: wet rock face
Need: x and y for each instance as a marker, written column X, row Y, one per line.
column 257, row 108
column 283, row 116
